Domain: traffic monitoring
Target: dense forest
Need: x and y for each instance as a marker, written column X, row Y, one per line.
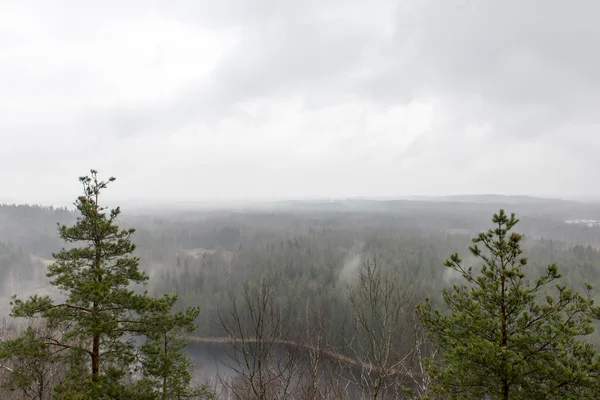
column 319, row 300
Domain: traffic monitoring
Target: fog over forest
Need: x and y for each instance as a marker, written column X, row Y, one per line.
column 311, row 252
column 314, row 200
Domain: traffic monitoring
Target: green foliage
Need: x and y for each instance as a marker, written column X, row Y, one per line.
column 509, row 337
column 96, row 325
column 202, row 255
column 99, row 308
column 166, row 370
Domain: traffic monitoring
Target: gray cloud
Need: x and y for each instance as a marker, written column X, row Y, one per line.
column 260, row 98
column 509, row 53
column 310, row 48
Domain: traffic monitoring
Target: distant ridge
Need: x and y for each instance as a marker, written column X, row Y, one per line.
column 334, row 202
column 496, row 199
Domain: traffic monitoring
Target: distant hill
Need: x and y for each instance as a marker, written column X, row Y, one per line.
column 556, row 209
column 498, row 199
column 12, row 217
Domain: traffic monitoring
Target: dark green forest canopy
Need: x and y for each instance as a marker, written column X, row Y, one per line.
column 200, row 254
column 311, row 252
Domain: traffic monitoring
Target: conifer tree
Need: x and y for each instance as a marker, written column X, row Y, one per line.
column 166, row 370
column 508, row 337
column 101, row 316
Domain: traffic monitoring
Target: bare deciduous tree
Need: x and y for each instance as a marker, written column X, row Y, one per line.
column 261, row 356
column 381, row 330
column 31, row 369
column 423, row 348
column 320, row 363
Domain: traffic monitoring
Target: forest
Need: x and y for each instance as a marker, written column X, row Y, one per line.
column 348, row 299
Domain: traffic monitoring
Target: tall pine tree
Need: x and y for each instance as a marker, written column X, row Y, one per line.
column 101, row 317
column 508, row 337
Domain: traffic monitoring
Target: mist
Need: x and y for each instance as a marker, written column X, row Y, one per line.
column 296, row 141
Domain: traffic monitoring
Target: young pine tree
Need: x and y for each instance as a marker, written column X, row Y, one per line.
column 101, row 314
column 507, row 337
column 166, row 370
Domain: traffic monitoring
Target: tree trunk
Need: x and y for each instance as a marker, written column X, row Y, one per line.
column 504, row 322
column 164, row 389
column 505, row 390
column 41, row 387
column 96, row 357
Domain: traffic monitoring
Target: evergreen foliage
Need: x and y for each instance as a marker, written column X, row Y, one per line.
column 166, row 370
column 508, row 337
column 99, row 323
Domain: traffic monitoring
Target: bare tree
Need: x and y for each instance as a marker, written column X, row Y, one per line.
column 423, row 348
column 31, row 368
column 320, row 363
column 383, row 347
column 380, row 335
column 261, row 353
column 8, row 330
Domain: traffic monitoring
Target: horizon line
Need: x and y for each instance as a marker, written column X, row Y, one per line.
column 266, row 200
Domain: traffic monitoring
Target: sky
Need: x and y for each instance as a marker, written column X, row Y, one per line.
column 186, row 100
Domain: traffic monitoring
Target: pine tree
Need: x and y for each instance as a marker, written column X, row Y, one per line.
column 166, row 370
column 101, row 315
column 507, row 337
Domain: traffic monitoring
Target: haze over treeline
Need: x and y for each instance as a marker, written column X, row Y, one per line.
column 303, row 188
column 305, row 261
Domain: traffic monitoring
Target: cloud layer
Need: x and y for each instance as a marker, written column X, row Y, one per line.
column 185, row 100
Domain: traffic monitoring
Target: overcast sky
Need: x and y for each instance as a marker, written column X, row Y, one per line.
column 204, row 99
